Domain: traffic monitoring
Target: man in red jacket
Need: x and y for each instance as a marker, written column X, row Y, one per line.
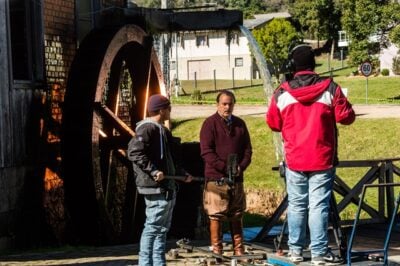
column 226, row 150
column 305, row 109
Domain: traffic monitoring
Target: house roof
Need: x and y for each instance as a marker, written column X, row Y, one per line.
column 261, row 19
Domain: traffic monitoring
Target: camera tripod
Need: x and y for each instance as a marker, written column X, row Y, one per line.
column 334, row 221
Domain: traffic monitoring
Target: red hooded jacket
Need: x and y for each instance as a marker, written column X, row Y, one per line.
column 306, row 110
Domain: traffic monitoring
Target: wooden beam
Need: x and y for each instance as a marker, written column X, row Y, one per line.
column 341, row 187
column 369, row 177
column 365, row 163
column 118, row 124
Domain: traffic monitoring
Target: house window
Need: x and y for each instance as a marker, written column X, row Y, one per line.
column 201, row 40
column 343, row 39
column 238, row 61
column 26, row 40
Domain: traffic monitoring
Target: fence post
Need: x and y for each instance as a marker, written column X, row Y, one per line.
column 215, row 79
column 251, row 75
column 195, row 80
column 233, row 77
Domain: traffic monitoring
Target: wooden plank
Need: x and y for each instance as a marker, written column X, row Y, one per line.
column 381, row 191
column 396, row 170
column 390, row 197
column 369, row 177
column 365, row 163
column 104, row 111
column 168, row 20
column 272, row 220
column 358, row 163
column 5, row 133
column 342, row 188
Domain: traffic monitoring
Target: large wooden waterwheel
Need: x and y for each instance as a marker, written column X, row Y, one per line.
column 112, row 75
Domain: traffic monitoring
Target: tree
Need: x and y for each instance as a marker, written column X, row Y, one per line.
column 318, row 19
column 394, row 35
column 274, row 40
column 249, row 7
column 368, row 24
column 390, row 23
column 305, row 13
column 149, row 3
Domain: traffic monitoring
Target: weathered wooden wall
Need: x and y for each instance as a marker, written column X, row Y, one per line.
column 23, row 142
column 8, row 176
column 4, row 85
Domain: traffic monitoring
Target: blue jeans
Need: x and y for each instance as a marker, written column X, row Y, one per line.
column 309, row 197
column 154, row 235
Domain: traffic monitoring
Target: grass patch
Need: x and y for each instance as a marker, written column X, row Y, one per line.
column 253, row 220
column 363, row 140
column 381, row 89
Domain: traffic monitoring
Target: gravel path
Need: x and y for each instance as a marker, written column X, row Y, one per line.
column 362, row 111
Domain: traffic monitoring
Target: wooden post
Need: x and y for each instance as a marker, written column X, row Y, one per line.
column 195, row 80
column 215, row 79
column 233, row 77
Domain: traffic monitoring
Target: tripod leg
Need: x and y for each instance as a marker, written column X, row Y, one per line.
column 279, row 239
column 340, row 238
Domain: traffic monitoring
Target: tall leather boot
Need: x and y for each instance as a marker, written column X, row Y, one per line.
column 216, row 237
column 237, row 237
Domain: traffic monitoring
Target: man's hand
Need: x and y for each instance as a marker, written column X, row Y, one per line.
column 239, row 171
column 159, row 176
column 188, row 179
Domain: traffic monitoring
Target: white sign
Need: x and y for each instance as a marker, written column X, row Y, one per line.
column 366, row 68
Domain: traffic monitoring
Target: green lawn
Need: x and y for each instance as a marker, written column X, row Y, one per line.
column 380, row 89
column 364, row 139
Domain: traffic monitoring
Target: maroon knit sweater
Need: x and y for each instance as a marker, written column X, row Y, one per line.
column 218, row 140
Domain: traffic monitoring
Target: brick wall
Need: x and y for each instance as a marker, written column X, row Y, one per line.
column 60, row 46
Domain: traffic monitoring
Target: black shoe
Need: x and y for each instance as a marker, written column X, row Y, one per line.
column 328, row 259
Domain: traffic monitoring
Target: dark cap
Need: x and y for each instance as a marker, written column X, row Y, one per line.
column 157, row 102
column 303, row 57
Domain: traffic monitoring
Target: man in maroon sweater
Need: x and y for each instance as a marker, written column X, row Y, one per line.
column 224, row 137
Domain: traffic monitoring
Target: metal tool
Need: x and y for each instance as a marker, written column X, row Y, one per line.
column 183, row 178
column 185, row 244
column 231, row 168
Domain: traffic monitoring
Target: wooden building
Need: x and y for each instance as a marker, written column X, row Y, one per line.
column 75, row 78
column 37, row 45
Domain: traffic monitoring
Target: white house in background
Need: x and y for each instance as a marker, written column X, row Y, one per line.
column 216, row 54
column 386, row 58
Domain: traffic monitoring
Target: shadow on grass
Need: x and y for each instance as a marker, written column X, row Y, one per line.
column 176, row 123
column 254, row 220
